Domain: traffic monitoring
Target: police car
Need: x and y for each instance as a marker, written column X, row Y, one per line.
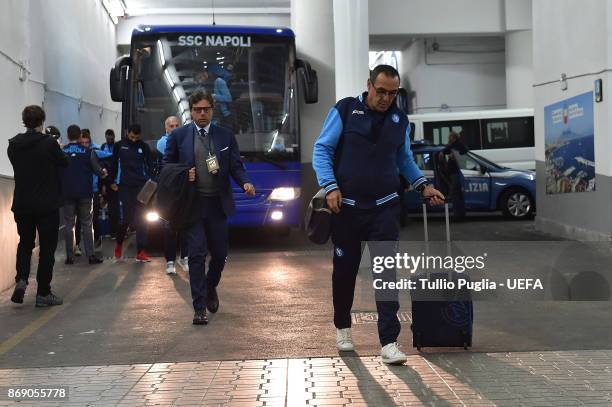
column 487, row 186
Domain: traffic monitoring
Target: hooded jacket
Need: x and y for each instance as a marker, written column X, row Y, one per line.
column 37, row 162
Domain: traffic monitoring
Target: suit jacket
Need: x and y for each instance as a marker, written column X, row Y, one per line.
column 175, row 196
column 180, row 149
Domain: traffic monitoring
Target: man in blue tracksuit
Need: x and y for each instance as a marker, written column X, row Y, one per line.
column 78, row 193
column 105, row 158
column 132, row 166
column 110, row 196
column 363, row 147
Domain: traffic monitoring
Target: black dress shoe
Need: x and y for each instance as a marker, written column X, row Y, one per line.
column 200, row 318
column 69, row 260
column 213, row 300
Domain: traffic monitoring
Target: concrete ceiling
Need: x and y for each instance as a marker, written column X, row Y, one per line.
column 141, row 5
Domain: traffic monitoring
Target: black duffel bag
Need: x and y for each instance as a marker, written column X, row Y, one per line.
column 318, row 219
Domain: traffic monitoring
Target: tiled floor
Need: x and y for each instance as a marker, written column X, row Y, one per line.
column 437, row 379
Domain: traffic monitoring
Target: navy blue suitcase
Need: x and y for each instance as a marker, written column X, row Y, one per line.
column 444, row 323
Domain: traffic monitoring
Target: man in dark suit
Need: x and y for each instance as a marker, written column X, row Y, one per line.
column 212, row 152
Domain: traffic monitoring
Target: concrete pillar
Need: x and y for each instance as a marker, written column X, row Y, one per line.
column 584, row 56
column 352, row 40
column 519, row 69
column 313, row 24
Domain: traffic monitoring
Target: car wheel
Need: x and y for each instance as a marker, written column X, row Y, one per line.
column 516, row 204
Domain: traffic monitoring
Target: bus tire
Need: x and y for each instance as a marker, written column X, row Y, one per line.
column 516, row 203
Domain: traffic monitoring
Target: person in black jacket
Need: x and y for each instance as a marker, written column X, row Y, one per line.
column 132, row 167
column 453, row 150
column 37, row 160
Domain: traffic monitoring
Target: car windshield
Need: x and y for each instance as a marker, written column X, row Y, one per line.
column 486, row 162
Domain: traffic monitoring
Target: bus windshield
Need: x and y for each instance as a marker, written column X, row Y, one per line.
column 251, row 77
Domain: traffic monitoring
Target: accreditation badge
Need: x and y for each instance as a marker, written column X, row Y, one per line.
column 212, row 164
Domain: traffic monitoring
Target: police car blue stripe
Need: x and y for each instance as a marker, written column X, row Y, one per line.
column 386, row 198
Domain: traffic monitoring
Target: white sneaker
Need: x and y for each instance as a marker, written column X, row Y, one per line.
column 344, row 340
column 170, row 268
column 391, row 354
column 184, row 263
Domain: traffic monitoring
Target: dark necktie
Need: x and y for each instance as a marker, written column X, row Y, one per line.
column 203, row 132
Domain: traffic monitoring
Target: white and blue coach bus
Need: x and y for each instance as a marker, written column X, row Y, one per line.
column 254, row 74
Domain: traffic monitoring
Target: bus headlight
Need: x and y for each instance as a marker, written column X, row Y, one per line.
column 152, row 216
column 284, row 194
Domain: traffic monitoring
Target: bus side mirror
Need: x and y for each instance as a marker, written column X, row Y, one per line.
column 310, row 83
column 119, row 78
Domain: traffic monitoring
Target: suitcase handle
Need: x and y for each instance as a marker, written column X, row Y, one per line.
column 446, row 218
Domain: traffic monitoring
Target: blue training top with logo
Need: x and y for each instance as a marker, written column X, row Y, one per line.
column 362, row 154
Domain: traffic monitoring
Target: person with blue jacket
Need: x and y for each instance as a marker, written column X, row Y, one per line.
column 363, row 148
column 110, row 195
column 171, row 236
column 78, row 193
column 223, row 98
column 105, row 158
column 132, row 168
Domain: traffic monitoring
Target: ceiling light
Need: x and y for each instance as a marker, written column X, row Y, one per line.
column 114, row 8
column 168, row 78
column 160, row 49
